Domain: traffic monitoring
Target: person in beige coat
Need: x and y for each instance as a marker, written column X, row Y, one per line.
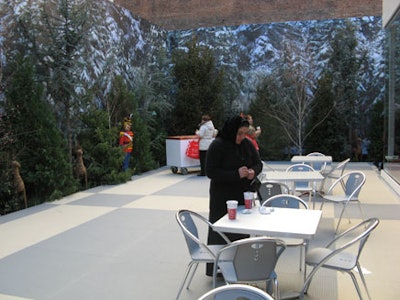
column 206, row 134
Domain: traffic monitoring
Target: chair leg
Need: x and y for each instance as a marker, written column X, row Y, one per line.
column 340, row 217
column 363, row 279
column 276, row 290
column 188, row 269
column 348, row 216
column 301, row 257
column 191, row 276
column 322, row 204
column 361, row 211
column 343, row 185
column 215, row 270
column 308, row 281
column 353, row 277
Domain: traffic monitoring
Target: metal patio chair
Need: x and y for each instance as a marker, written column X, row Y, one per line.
column 342, row 254
column 199, row 251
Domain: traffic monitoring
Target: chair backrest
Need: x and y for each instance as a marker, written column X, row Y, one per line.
column 336, row 172
column 249, row 259
column 339, row 168
column 300, row 168
column 318, row 166
column 236, row 292
column 357, row 234
column 353, row 182
column 187, row 221
column 315, row 154
column 286, row 201
column 271, row 188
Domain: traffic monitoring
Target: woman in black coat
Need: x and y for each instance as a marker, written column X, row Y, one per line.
column 232, row 163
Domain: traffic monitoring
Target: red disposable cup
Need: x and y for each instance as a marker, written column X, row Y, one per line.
column 232, row 207
column 248, row 203
column 232, row 213
column 248, row 199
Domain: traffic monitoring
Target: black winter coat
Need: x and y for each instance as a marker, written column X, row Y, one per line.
column 224, row 158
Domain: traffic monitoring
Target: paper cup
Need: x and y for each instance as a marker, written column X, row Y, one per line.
column 248, row 200
column 232, row 208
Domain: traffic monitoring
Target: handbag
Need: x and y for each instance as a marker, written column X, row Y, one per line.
column 192, row 150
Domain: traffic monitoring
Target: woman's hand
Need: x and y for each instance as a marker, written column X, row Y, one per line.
column 243, row 172
column 251, row 174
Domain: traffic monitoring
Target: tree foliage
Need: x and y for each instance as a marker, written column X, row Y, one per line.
column 66, row 32
column 272, row 141
column 288, row 95
column 376, row 134
column 326, row 136
column 152, row 89
column 37, row 143
column 54, row 94
column 199, row 87
column 344, row 67
column 102, row 157
column 77, row 69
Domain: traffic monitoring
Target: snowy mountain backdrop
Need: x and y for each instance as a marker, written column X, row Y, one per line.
column 253, row 51
column 120, row 43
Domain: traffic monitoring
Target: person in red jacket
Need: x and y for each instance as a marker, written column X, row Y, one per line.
column 126, row 142
column 251, row 135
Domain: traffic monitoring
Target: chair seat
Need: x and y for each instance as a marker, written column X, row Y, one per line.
column 338, row 198
column 203, row 255
column 342, row 261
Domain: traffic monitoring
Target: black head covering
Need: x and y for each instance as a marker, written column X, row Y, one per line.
column 231, row 127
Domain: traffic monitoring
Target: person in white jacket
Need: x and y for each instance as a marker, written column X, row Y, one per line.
column 206, row 134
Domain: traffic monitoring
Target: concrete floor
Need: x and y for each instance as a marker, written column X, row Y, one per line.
column 122, row 242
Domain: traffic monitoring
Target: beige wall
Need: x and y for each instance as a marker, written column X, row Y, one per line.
column 389, row 7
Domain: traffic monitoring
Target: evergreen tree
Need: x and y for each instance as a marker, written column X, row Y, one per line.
column 141, row 155
column 102, row 156
column 199, row 89
column 38, row 145
column 376, row 134
column 152, row 89
column 344, row 67
column 325, row 134
column 125, row 104
column 272, row 141
column 56, row 40
column 66, row 31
